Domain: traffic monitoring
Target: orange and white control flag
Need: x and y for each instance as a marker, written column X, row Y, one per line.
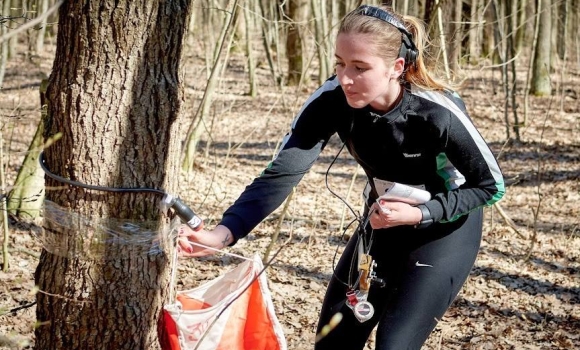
column 249, row 323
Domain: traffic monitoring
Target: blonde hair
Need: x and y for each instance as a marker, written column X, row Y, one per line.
column 386, row 42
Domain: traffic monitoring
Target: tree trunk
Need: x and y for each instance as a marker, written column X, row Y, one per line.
column 15, row 10
column 430, row 17
column 250, row 27
column 297, row 14
column 540, row 83
column 475, row 26
column 116, row 95
column 41, row 7
column 455, row 36
column 4, row 45
column 562, row 29
column 488, row 43
column 198, row 125
column 554, row 36
column 521, row 24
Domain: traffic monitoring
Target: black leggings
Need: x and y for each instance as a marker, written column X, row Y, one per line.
column 423, row 270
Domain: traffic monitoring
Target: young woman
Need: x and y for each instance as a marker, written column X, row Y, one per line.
column 402, row 126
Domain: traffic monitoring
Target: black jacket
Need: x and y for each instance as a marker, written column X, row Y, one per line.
column 427, row 140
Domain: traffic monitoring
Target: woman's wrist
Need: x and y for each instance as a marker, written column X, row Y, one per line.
column 418, row 216
column 426, row 219
column 226, row 236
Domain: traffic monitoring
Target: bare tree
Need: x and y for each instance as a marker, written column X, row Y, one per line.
column 475, row 30
column 199, row 122
column 4, row 44
column 250, row 25
column 505, row 31
column 116, row 95
column 522, row 14
column 296, row 13
column 271, row 37
column 42, row 7
column 488, row 43
column 540, row 82
column 455, row 36
column 562, row 27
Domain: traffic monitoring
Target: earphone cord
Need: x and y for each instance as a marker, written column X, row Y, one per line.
column 360, row 230
column 358, row 217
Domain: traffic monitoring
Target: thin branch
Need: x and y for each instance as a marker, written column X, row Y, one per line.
column 508, row 220
column 63, row 297
column 279, row 225
column 503, row 63
column 32, row 23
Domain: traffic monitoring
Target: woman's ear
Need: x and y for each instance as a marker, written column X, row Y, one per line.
column 398, row 68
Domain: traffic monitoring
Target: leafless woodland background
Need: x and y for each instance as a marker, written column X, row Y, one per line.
column 524, row 291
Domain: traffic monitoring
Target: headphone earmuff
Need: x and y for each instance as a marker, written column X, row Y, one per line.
column 408, row 51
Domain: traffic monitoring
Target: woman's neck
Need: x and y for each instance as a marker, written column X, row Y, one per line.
column 390, row 101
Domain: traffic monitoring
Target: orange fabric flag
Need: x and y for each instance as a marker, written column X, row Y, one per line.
column 249, row 323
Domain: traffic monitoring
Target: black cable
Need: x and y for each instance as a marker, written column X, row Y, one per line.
column 181, row 209
column 357, row 218
column 361, row 230
column 336, row 253
column 26, row 306
column 93, row 187
column 328, row 186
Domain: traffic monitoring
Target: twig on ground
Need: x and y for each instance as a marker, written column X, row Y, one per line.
column 509, row 221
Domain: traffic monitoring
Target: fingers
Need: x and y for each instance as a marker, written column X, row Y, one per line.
column 184, row 245
column 185, row 230
column 376, row 220
column 191, row 250
column 379, row 217
column 379, row 210
column 191, row 243
column 196, row 254
column 385, row 214
column 382, row 206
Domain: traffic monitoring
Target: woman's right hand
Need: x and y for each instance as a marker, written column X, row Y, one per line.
column 219, row 238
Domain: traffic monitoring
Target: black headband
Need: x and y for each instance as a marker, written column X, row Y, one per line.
column 410, row 51
column 383, row 15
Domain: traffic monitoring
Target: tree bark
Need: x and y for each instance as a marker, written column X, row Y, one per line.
column 297, row 15
column 41, row 7
column 522, row 26
column 250, row 28
column 488, row 43
column 455, row 36
column 475, row 31
column 562, row 28
column 540, row 83
column 116, row 95
column 4, row 45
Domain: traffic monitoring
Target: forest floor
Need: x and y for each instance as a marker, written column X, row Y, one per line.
column 523, row 293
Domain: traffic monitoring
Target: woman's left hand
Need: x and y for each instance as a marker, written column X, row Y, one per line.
column 391, row 214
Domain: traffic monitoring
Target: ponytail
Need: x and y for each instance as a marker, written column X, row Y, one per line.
column 418, row 74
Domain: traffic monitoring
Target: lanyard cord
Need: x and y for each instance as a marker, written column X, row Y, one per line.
column 366, row 248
